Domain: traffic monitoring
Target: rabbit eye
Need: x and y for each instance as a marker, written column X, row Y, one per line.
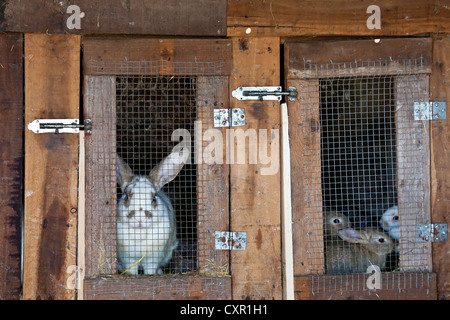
column 381, row 240
column 336, row 221
column 154, row 200
column 395, row 218
column 148, row 214
column 131, row 214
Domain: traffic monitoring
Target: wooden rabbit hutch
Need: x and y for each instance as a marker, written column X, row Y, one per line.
column 357, row 125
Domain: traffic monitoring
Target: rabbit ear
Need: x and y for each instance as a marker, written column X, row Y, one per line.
column 124, row 173
column 351, row 235
column 168, row 168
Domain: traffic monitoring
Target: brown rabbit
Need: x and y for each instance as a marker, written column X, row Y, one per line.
column 359, row 250
column 333, row 222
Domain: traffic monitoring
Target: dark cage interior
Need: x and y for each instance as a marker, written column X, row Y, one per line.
column 149, row 110
column 358, row 154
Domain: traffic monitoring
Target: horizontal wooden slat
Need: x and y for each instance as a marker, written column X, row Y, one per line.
column 394, row 286
column 158, row 287
column 125, row 56
column 155, row 17
column 338, row 17
column 339, row 58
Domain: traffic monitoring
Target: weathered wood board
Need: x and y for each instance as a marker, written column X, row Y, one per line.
column 255, row 196
column 157, row 287
column 110, row 56
column 440, row 161
column 413, row 286
column 304, row 134
column 11, row 162
column 347, row 57
column 52, row 79
column 151, row 17
column 337, row 18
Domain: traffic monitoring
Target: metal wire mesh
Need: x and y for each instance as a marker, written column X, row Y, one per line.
column 157, row 219
column 366, row 172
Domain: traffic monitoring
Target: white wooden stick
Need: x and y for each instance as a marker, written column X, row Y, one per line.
column 287, row 246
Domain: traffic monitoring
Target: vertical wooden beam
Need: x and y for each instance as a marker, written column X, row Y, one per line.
column 11, row 161
column 304, row 131
column 440, row 160
column 81, row 243
column 52, row 68
column 255, row 198
column 101, row 199
column 212, row 178
column 413, row 172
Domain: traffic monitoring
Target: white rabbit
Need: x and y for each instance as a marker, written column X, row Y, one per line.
column 359, row 250
column 390, row 223
column 146, row 228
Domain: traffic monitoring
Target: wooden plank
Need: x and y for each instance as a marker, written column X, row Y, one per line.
column 155, row 17
column 394, row 286
column 52, row 66
column 316, row 18
column 440, row 160
column 158, row 287
column 101, row 198
column 212, row 174
column 413, row 172
column 304, row 132
column 11, row 162
column 124, row 56
column 349, row 57
column 255, row 197
column 81, row 246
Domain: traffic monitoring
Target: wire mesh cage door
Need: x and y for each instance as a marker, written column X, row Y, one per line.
column 154, row 197
column 363, row 165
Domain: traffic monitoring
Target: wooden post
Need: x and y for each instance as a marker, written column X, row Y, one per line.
column 255, row 198
column 304, row 130
column 101, row 198
column 52, row 79
column 11, row 160
column 413, row 172
column 440, row 160
column 212, row 178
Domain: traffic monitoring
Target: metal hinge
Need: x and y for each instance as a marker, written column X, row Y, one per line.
column 229, row 117
column 230, row 240
column 264, row 93
column 59, row 126
column 432, row 232
column 430, row 110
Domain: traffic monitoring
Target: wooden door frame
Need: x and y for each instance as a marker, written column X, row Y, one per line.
column 99, row 89
column 297, row 56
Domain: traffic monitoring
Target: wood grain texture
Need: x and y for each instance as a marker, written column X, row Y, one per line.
column 152, row 17
column 158, row 288
column 213, row 188
column 413, row 172
column 338, row 18
column 11, row 162
column 255, row 198
column 440, row 161
column 330, row 56
column 305, row 132
column 101, row 200
column 107, row 56
column 401, row 286
column 52, row 65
